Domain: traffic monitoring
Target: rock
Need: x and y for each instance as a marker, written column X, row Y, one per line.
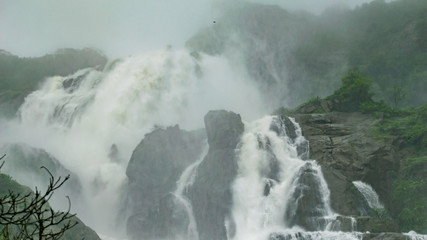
column 343, row 144
column 307, row 206
column 384, row 236
column 223, row 129
column 153, row 171
column 210, row 194
column 343, row 194
column 165, row 219
column 72, row 82
column 375, row 225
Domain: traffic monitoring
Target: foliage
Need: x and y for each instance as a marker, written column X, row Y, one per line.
column 354, row 91
column 384, row 41
column 410, row 195
column 412, row 127
column 27, row 215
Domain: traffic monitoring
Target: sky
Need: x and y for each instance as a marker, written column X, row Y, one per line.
column 118, row 28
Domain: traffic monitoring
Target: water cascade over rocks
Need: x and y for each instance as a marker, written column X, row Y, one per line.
column 253, row 181
column 92, row 120
column 231, row 180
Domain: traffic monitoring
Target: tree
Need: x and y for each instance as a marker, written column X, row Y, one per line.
column 397, row 95
column 29, row 216
column 355, row 90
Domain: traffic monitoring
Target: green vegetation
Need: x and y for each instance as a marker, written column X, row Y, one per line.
column 409, row 203
column 411, row 128
column 8, row 184
column 406, row 128
column 354, row 91
column 383, row 41
column 410, row 195
column 386, row 42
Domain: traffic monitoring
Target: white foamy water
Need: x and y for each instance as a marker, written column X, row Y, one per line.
column 186, row 180
column 415, row 236
column 258, row 214
column 369, row 194
column 92, row 120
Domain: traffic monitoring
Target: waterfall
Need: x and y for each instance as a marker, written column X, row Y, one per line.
column 92, row 120
column 276, row 192
column 369, row 194
column 185, row 181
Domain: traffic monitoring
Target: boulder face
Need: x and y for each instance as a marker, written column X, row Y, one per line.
column 210, row 194
column 153, row 171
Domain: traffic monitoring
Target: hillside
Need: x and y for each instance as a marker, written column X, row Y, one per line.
column 296, row 56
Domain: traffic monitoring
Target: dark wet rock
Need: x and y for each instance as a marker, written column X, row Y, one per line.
column 71, row 83
column 307, row 206
column 211, row 194
column 223, row 129
column 163, row 220
column 343, row 144
column 154, row 168
column 283, row 126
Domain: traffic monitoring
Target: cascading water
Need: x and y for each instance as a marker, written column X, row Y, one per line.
column 369, row 194
column 277, row 194
column 186, row 180
column 92, row 120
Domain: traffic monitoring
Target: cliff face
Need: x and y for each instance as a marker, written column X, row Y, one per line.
column 343, row 144
column 350, row 147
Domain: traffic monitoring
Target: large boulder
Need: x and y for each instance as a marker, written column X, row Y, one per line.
column 153, row 171
column 210, row 194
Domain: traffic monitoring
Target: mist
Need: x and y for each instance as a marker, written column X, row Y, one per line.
column 35, row 28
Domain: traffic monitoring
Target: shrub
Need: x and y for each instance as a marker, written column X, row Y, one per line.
column 355, row 90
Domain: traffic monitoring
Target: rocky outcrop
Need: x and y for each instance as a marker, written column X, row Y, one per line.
column 307, row 207
column 344, row 145
column 210, row 194
column 153, row 171
column 157, row 164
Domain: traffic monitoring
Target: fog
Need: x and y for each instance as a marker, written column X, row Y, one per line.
column 118, row 28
